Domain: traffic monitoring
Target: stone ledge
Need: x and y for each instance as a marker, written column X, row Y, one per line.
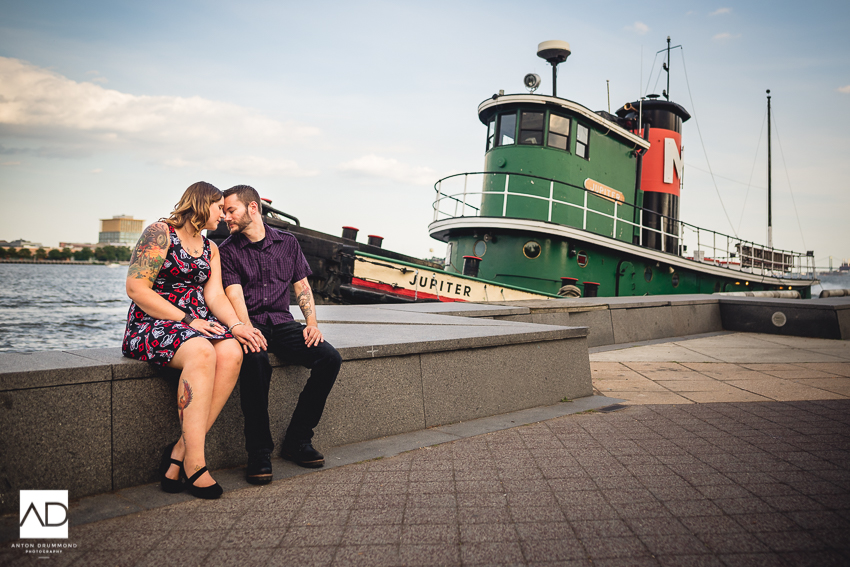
column 457, row 309
column 102, row 424
column 45, row 369
column 414, row 314
column 654, row 317
column 50, row 368
column 828, row 303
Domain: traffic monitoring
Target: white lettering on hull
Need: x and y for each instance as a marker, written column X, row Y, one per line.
column 672, row 159
column 442, row 285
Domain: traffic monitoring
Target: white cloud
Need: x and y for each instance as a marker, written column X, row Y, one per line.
column 32, row 96
column 387, row 168
column 724, row 36
column 261, row 166
column 246, row 165
column 845, row 89
column 721, row 11
column 96, row 78
column 179, row 162
column 39, row 103
column 10, row 163
column 639, row 28
column 96, row 171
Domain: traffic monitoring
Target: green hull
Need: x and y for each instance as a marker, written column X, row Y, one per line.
column 618, row 272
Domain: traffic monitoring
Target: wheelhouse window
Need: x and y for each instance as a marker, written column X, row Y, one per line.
column 559, row 132
column 582, row 141
column 531, row 128
column 507, row 129
column 491, row 133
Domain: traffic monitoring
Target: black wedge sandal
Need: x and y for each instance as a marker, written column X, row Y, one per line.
column 170, row 485
column 207, row 492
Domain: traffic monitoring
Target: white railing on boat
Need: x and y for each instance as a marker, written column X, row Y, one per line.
column 676, row 237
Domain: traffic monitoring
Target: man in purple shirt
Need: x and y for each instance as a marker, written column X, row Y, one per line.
column 257, row 265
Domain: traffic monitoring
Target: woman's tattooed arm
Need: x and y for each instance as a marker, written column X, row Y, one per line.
column 149, row 254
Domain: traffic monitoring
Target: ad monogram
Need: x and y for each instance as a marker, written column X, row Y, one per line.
column 44, row 514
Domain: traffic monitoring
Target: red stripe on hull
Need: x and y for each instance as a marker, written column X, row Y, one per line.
column 400, row 291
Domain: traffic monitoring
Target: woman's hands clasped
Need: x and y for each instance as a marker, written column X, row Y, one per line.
column 252, row 339
column 208, row 328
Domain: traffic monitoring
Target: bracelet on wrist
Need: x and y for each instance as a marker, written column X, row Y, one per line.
column 230, row 328
column 188, row 318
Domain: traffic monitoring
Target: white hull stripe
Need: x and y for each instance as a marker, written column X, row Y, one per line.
column 439, row 230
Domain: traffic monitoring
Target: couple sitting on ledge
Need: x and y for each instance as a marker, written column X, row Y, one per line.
column 229, row 301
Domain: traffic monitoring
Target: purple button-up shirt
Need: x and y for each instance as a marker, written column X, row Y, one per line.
column 264, row 270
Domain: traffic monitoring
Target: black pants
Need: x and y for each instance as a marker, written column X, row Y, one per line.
column 287, row 342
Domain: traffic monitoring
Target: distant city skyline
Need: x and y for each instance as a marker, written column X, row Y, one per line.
column 119, row 230
column 348, row 112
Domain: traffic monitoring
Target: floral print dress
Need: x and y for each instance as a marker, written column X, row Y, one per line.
column 180, row 282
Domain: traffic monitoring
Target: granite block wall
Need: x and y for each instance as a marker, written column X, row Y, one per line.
column 106, row 430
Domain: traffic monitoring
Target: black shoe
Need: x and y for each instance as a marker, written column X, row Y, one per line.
column 206, row 492
column 259, row 469
column 302, row 454
column 170, row 485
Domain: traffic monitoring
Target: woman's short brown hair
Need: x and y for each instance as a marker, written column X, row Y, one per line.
column 194, row 206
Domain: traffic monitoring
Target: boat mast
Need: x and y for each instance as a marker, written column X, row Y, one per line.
column 667, row 68
column 769, row 208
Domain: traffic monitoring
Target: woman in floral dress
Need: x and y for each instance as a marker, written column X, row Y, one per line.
column 181, row 318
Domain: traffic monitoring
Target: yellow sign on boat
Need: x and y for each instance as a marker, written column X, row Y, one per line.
column 423, row 284
column 604, row 191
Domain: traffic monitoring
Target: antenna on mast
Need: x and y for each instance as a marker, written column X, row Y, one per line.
column 554, row 52
column 665, row 65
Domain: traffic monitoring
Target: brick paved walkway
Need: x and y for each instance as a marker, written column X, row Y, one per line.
column 733, row 367
column 699, row 484
column 730, row 450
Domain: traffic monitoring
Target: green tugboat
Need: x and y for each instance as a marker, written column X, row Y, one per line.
column 582, row 202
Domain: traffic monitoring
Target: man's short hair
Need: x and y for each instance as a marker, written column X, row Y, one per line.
column 246, row 195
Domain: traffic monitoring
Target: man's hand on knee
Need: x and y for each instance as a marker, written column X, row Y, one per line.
column 312, row 336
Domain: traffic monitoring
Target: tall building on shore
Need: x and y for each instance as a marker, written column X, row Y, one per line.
column 120, row 230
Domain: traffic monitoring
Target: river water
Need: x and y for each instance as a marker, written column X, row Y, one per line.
column 70, row 307
column 61, row 307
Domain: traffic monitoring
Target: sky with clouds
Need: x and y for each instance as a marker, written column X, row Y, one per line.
column 346, row 113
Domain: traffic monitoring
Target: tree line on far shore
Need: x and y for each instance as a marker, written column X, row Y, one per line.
column 102, row 254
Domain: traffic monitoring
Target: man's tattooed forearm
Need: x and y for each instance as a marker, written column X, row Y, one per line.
column 305, row 302
column 149, row 253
